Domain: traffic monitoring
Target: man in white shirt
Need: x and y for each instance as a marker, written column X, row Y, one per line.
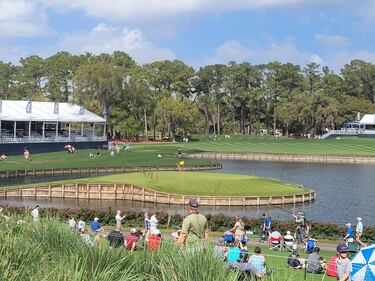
column 153, row 223
column 81, row 225
column 359, row 231
column 35, row 213
column 119, row 218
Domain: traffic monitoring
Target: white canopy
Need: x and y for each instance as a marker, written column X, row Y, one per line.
column 45, row 111
column 368, row 119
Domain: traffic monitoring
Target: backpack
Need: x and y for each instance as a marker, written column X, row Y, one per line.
column 331, row 270
column 310, row 246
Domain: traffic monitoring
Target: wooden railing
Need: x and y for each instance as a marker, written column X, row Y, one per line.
column 138, row 193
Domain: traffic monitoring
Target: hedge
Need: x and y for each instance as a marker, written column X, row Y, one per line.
column 216, row 222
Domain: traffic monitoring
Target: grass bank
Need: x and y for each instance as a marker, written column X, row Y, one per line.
column 343, row 146
column 50, row 251
column 200, row 183
column 139, row 155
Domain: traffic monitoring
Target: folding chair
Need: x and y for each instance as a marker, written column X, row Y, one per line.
column 275, row 243
column 289, row 244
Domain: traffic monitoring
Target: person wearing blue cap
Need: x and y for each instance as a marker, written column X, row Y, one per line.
column 343, row 264
column 194, row 229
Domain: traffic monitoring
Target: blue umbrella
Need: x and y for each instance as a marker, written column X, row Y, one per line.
column 364, row 264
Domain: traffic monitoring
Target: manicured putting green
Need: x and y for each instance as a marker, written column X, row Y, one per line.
column 193, row 183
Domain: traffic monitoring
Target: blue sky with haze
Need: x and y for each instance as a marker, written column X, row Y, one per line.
column 199, row 32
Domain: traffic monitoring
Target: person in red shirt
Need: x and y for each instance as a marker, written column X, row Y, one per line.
column 131, row 240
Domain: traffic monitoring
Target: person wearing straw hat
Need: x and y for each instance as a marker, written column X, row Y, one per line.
column 359, row 232
column 194, row 229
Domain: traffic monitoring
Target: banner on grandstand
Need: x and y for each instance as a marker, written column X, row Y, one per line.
column 81, row 108
column 29, row 107
column 106, row 112
column 56, row 108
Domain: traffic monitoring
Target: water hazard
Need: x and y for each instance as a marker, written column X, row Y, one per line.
column 344, row 192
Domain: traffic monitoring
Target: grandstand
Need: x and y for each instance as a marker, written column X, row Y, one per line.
column 36, row 123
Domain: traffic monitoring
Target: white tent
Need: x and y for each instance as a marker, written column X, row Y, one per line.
column 368, row 119
column 29, row 121
column 45, row 111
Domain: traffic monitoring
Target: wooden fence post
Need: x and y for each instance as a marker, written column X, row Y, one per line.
column 77, row 191
column 49, row 191
column 100, row 191
column 88, row 190
column 115, row 190
column 132, row 192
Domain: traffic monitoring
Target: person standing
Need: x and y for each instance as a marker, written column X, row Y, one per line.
column 146, row 224
column 344, row 266
column 268, row 224
column 194, row 231
column 35, row 213
column 119, row 219
column 301, row 226
column 26, row 154
column 359, row 232
column 153, row 223
column 238, row 229
column 349, row 235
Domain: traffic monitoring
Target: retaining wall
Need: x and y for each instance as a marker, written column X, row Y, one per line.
column 102, row 170
column 298, row 158
column 138, row 193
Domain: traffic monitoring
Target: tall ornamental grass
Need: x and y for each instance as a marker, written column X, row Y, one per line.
column 48, row 250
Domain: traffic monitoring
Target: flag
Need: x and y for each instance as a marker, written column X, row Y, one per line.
column 29, row 107
column 56, row 108
column 81, row 108
column 106, row 112
column 1, row 105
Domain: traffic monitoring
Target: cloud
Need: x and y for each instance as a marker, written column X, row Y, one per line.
column 164, row 10
column 106, row 38
column 330, row 40
column 283, row 52
column 22, row 18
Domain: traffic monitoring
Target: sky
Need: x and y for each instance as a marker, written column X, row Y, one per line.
column 198, row 32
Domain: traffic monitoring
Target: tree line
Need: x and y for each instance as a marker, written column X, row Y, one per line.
column 168, row 98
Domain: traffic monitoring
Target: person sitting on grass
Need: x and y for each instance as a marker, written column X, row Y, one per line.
column 86, row 237
column 228, row 236
column 315, row 263
column 72, row 224
column 294, row 262
column 96, row 227
column 258, row 263
column 81, row 225
column 131, row 240
column 115, row 238
column 3, row 157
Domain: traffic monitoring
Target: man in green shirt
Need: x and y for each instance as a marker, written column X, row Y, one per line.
column 194, row 227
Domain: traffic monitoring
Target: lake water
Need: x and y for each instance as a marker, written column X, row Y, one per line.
column 344, row 192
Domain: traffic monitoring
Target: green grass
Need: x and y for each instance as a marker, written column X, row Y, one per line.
column 140, row 155
column 48, row 250
column 201, row 183
column 344, row 146
column 146, row 154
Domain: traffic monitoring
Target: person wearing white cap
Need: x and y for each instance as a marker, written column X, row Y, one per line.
column 349, row 235
column 359, row 232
